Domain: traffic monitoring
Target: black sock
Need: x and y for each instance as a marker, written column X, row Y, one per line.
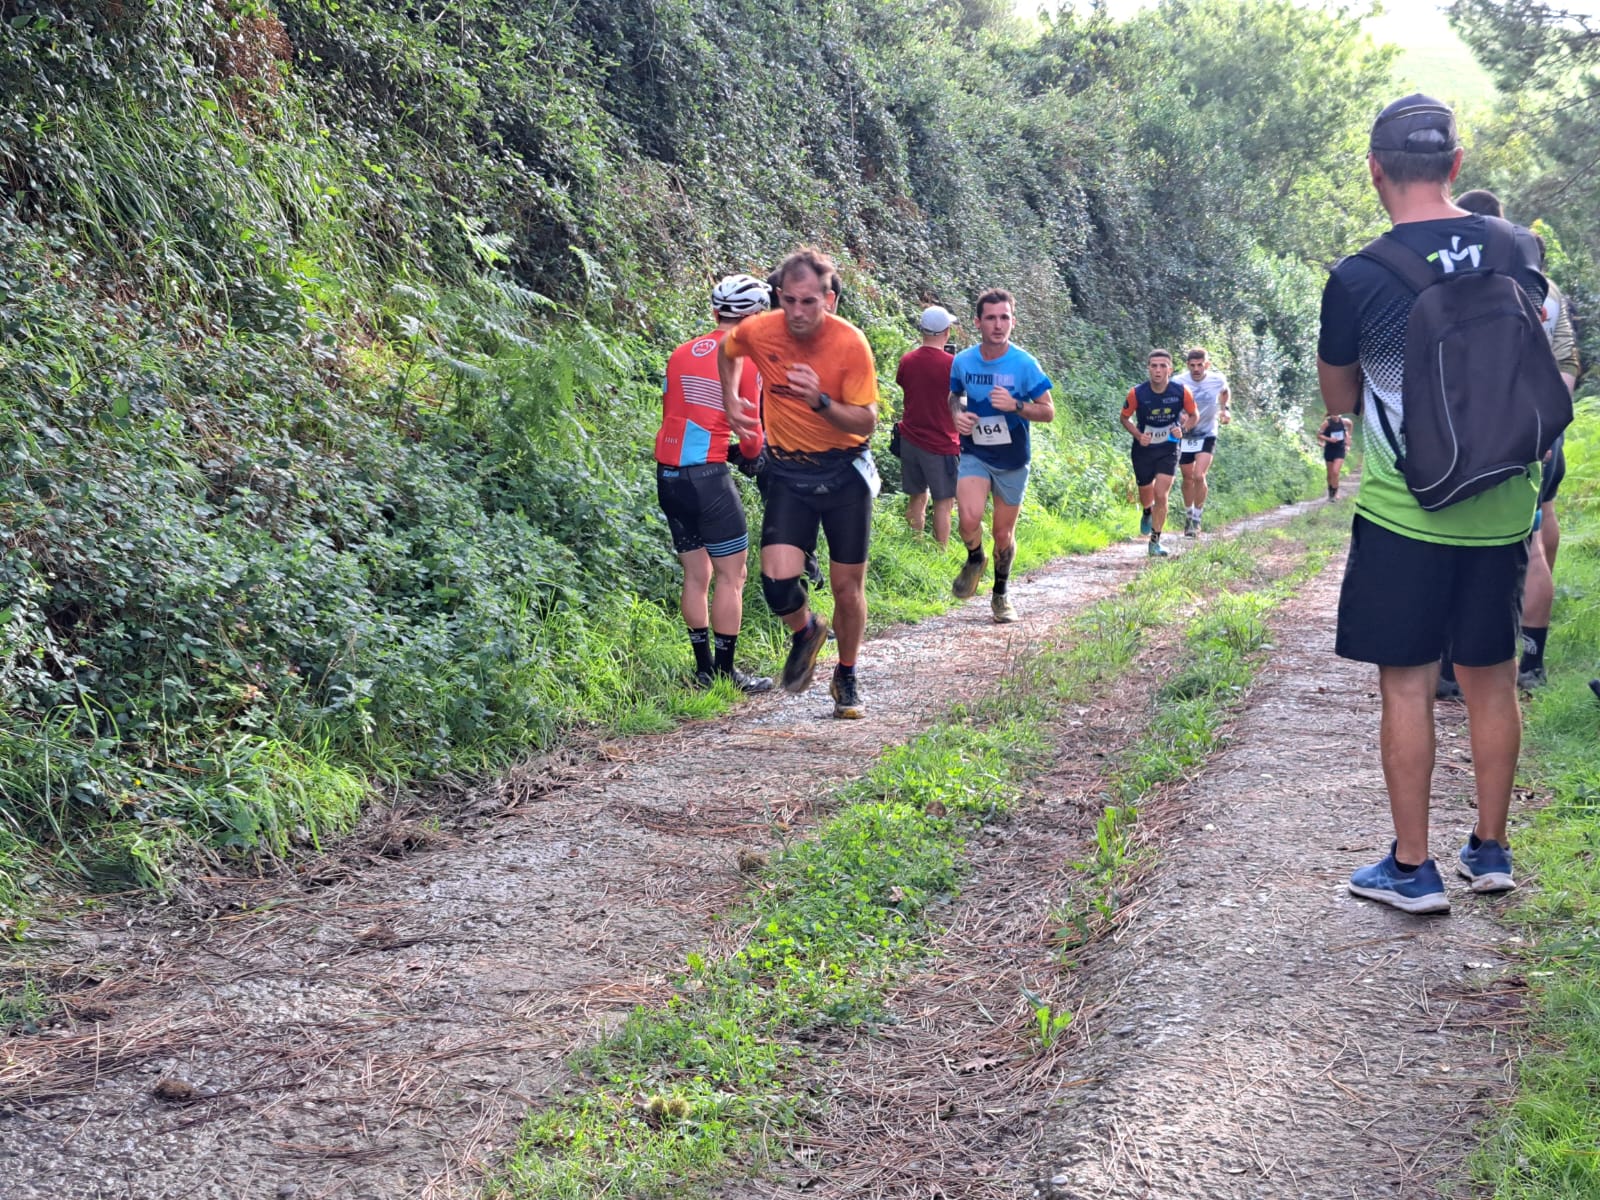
column 1447, row 669
column 724, row 657
column 805, row 630
column 1002, row 568
column 975, row 553
column 1534, row 659
column 1473, row 840
column 700, row 639
column 843, row 671
column 1147, row 512
column 1406, row 868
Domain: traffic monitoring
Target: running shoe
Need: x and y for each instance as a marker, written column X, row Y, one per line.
column 1419, row 891
column 1157, row 550
column 1447, row 689
column 1533, row 677
column 846, row 693
column 1487, row 865
column 802, row 661
column 1191, row 526
column 1145, row 526
column 1004, row 611
column 750, row 685
column 967, row 581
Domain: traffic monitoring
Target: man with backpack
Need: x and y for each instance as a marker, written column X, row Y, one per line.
column 1431, row 336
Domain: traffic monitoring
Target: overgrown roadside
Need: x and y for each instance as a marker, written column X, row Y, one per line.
column 378, row 1031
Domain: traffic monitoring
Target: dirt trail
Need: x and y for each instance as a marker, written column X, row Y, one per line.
column 378, row 1032
column 1252, row 1032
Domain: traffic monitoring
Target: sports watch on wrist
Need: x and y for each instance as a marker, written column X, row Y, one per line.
column 823, row 401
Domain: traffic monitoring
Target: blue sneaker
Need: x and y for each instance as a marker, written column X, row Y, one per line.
column 1145, row 526
column 1419, row 891
column 1487, row 865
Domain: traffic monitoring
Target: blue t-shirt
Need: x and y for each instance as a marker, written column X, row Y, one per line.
column 1001, row 439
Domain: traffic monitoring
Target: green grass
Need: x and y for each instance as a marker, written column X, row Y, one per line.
column 1546, row 1144
column 683, row 1092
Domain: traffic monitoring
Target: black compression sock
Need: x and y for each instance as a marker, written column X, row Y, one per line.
column 1534, row 658
column 700, row 639
column 975, row 553
column 724, row 655
column 1002, row 568
column 1147, row 512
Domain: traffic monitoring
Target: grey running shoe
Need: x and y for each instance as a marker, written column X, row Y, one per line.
column 1191, row 527
column 1532, row 678
column 846, row 693
column 750, row 685
column 1004, row 611
column 1447, row 689
column 802, row 661
column 967, row 581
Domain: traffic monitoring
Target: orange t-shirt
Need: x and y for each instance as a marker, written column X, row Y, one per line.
column 837, row 352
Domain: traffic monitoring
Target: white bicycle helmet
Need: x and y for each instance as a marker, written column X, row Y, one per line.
column 740, row 296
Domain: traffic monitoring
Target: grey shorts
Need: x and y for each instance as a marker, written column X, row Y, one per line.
column 923, row 471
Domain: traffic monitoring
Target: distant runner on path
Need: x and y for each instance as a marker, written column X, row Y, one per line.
column 1212, row 398
column 996, row 391
column 695, row 491
column 1418, row 580
column 1157, row 413
column 930, row 449
column 1335, row 437
column 821, row 390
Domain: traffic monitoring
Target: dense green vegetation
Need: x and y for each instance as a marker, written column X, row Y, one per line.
column 329, row 338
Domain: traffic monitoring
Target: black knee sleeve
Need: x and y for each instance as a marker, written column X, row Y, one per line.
column 784, row 596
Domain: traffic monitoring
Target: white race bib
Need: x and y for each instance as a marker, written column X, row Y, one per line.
column 869, row 472
column 992, row 431
column 1160, row 433
column 1336, row 436
column 1192, row 445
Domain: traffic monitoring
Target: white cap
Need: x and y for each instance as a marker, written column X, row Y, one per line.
column 935, row 320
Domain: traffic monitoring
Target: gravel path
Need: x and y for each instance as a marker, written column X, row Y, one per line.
column 377, row 1026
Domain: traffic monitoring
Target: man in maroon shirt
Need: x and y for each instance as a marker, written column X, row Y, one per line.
column 930, row 450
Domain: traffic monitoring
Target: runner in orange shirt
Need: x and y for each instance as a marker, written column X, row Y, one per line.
column 821, row 403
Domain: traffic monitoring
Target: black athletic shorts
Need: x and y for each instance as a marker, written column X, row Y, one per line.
column 703, row 509
column 833, row 496
column 1208, row 445
column 1158, row 458
column 1554, row 472
column 1403, row 601
column 1333, row 451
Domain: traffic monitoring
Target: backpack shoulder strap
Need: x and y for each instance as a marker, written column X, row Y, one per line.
column 1412, row 269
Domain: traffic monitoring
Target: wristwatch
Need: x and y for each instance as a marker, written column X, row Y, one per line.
column 823, row 401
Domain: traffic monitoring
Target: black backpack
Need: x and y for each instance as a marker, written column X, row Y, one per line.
column 1482, row 396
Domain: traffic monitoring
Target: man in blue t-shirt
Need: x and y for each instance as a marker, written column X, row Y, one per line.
column 996, row 391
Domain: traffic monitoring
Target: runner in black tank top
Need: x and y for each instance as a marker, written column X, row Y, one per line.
column 1335, row 438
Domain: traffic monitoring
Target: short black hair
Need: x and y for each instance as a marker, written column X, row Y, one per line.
column 1481, row 201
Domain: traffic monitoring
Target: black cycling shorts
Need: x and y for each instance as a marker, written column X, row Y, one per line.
column 1403, row 601
column 1554, row 472
column 833, row 497
column 1158, row 458
column 1208, row 445
column 1333, row 451
column 703, row 509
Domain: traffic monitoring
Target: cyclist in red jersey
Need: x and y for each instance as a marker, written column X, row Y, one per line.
column 695, row 491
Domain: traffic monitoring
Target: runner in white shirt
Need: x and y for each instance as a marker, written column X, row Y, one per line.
column 1211, row 396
